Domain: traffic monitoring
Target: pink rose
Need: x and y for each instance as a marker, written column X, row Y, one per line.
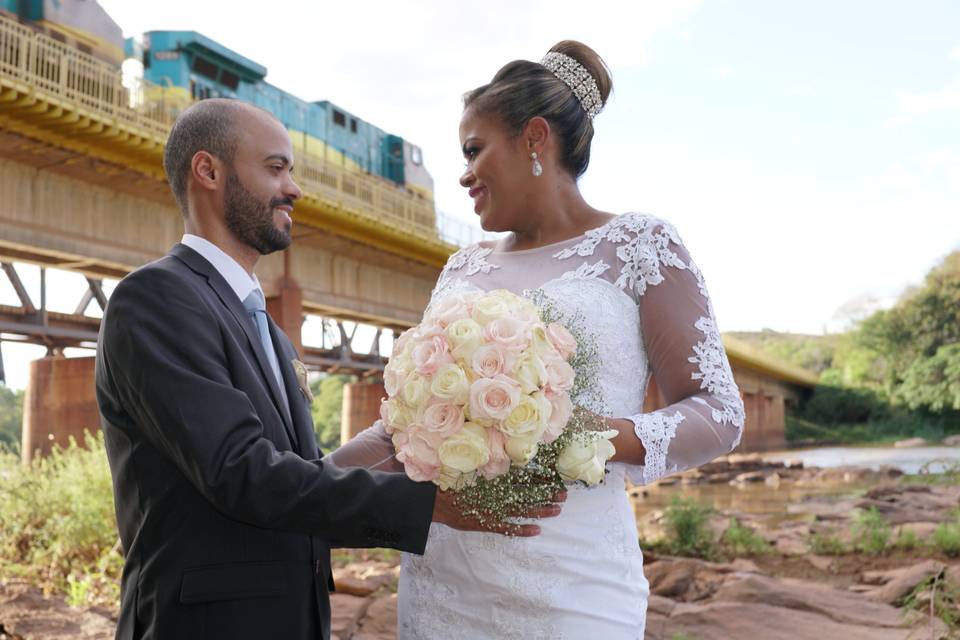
column 490, row 360
column 442, row 418
column 493, row 398
column 562, row 340
column 425, row 331
column 560, row 375
column 449, row 309
column 401, row 342
column 508, row 332
column 417, row 450
column 499, row 461
column 561, row 408
column 430, row 354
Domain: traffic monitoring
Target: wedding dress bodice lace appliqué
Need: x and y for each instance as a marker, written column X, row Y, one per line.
column 645, row 303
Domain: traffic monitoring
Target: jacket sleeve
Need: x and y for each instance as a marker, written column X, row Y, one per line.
column 167, row 377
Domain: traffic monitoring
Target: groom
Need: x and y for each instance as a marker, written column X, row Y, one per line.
column 226, row 508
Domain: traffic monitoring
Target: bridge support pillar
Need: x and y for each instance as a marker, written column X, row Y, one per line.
column 60, row 402
column 361, row 407
column 286, row 309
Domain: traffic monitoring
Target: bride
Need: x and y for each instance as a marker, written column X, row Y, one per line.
column 526, row 139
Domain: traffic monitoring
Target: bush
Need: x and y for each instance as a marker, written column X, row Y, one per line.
column 57, row 522
column 871, row 532
column 687, row 530
column 907, row 540
column 827, row 544
column 946, row 538
column 741, row 540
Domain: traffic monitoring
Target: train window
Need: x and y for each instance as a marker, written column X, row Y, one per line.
column 85, row 48
column 353, row 125
column 339, row 118
column 56, row 35
column 416, row 156
column 230, row 80
column 205, row 68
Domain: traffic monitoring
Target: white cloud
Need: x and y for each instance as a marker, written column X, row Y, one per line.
column 955, row 53
column 945, row 99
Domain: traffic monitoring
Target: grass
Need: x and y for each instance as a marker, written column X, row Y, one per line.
column 686, row 530
column 937, row 598
column 57, row 523
column 946, row 538
column 740, row 540
column 871, row 532
column 907, row 540
column 827, row 544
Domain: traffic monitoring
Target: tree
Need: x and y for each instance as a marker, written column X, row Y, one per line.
column 11, row 417
column 327, row 409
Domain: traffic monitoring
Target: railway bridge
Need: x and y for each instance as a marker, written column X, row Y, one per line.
column 82, row 189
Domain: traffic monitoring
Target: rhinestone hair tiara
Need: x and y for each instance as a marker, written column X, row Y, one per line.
column 574, row 75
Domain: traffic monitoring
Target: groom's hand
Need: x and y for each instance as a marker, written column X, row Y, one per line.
column 446, row 511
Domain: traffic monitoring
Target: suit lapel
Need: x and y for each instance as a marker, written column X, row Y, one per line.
column 229, row 299
column 299, row 407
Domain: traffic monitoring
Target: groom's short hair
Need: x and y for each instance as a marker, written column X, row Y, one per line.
column 209, row 125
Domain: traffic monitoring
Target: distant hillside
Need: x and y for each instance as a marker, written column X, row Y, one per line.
column 814, row 353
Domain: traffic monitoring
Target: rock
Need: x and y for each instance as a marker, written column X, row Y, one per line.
column 922, row 530
column 823, row 563
column 351, row 585
column 661, row 605
column 952, row 441
column 749, row 476
column 726, row 620
column 27, row 613
column 773, row 480
column 688, row 579
column 745, row 565
column 345, row 612
column 900, row 582
column 909, row 442
column 380, row 621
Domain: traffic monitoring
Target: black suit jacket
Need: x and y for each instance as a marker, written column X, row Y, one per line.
column 225, row 506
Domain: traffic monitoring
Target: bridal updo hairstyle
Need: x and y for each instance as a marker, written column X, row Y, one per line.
column 522, row 90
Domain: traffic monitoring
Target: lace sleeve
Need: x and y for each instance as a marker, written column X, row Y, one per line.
column 704, row 414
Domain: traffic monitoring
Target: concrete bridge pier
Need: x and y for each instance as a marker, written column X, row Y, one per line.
column 361, row 407
column 60, row 403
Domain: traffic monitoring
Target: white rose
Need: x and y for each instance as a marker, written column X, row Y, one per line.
column 466, row 450
column 530, row 372
column 490, row 307
column 528, row 418
column 450, row 383
column 393, row 378
column 395, row 415
column 414, row 390
column 464, row 336
column 585, row 458
column 453, row 479
column 522, row 449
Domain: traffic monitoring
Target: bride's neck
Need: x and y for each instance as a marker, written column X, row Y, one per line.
column 559, row 213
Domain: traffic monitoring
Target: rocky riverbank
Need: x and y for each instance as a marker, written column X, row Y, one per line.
column 814, row 576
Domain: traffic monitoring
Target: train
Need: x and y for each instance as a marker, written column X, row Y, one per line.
column 184, row 66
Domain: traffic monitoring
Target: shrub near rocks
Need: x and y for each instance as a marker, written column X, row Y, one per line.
column 871, row 532
column 946, row 538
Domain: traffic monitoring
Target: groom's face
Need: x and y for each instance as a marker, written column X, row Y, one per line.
column 260, row 191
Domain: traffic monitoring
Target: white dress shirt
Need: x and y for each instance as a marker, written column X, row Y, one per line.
column 236, row 276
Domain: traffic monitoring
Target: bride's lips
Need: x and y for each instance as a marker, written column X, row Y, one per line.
column 476, row 193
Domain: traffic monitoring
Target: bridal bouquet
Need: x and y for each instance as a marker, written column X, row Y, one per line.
column 481, row 402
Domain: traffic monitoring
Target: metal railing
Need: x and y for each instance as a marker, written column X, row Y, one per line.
column 95, row 89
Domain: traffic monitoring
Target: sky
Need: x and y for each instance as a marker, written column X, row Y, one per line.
column 808, row 153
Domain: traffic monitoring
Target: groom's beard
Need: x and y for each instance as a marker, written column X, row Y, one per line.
column 251, row 221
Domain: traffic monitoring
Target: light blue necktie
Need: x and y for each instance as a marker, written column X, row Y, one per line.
column 256, row 306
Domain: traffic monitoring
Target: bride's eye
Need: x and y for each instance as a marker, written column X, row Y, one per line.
column 470, row 153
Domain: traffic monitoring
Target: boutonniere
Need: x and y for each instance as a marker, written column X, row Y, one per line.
column 300, row 371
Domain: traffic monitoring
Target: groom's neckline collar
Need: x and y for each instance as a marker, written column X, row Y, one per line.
column 236, row 276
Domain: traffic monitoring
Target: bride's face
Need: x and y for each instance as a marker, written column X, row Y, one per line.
column 498, row 173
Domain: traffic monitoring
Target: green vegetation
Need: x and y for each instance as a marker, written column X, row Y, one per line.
column 871, row 532
column 907, row 540
column 686, row 529
column 938, row 597
column 57, row 523
column 895, row 375
column 740, row 540
column 946, row 538
column 11, row 418
column 827, row 544
column 327, row 408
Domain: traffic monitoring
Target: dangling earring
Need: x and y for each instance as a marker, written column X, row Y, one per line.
column 537, row 167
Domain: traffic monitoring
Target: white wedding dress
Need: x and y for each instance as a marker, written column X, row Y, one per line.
column 644, row 300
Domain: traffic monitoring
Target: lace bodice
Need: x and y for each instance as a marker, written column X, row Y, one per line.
column 647, row 305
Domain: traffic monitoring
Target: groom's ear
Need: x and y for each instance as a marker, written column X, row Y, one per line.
column 205, row 170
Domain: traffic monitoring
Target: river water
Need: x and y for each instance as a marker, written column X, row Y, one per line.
column 771, row 504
